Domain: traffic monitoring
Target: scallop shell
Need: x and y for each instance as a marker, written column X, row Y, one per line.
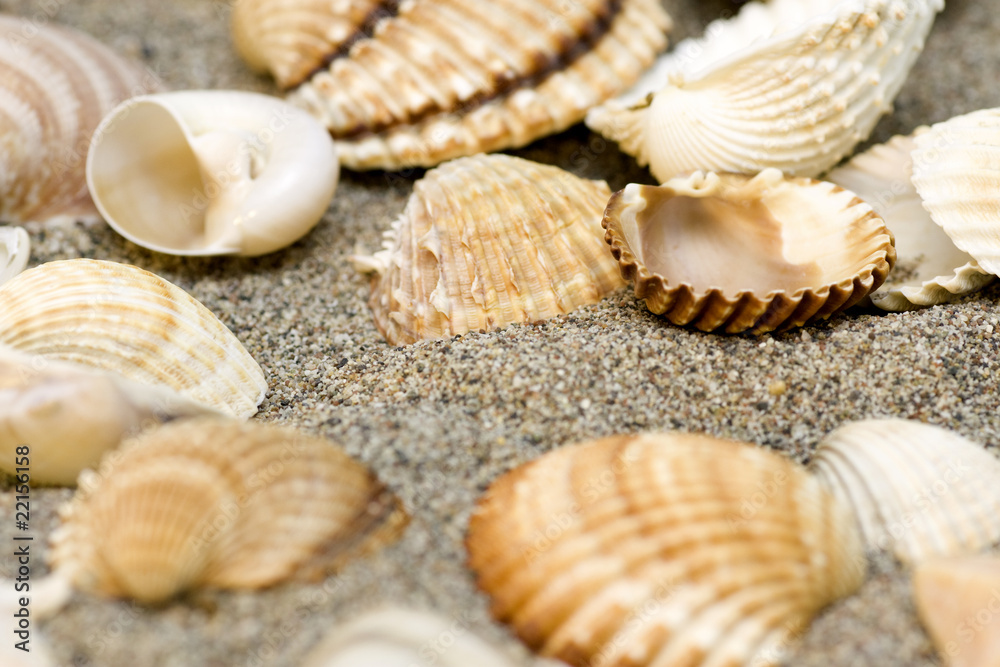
column 918, row 490
column 55, row 85
column 127, row 321
column 798, row 100
column 662, row 549
column 958, row 600
column 446, row 78
column 211, row 172
column 489, row 241
column 956, row 170
column 929, row 268
column 15, row 248
column 734, row 253
column 219, row 504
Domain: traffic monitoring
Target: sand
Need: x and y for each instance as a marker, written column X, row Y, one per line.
column 439, row 421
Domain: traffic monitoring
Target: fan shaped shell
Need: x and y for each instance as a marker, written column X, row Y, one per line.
column 734, row 253
column 15, row 248
column 127, row 321
column 918, row 490
column 662, row 549
column 489, row 241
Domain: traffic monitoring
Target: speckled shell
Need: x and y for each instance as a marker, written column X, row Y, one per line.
column 55, row 86
column 450, row 78
column 489, row 241
column 956, row 170
column 216, row 503
column 662, row 549
column 918, row 490
column 731, row 253
column 929, row 268
column 127, row 321
column 798, row 99
column 15, row 248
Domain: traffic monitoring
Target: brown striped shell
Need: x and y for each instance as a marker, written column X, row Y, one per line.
column 662, row 549
column 489, row 241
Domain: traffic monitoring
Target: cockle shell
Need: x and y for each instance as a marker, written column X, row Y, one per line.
column 662, row 549
column 449, row 78
column 733, row 253
column 489, row 241
column 55, row 86
column 929, row 268
column 220, row 504
column 127, row 321
column 918, row 490
column 211, row 172
column 798, row 99
column 958, row 600
column 15, row 248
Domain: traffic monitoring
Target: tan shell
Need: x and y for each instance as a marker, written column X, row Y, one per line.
column 929, row 268
column 450, row 78
column 799, row 98
column 15, row 249
column 958, row 600
column 56, row 84
column 214, row 503
column 662, row 549
column 489, row 241
column 734, row 253
column 127, row 321
column 918, row 490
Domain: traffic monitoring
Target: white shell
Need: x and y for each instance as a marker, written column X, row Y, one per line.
column 929, row 268
column 211, row 172
column 15, row 248
column 798, row 101
column 917, row 490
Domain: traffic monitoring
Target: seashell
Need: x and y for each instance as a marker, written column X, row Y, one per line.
column 958, row 600
column 211, row 172
column 918, row 490
column 733, row 253
column 56, row 84
column 799, row 99
column 219, row 504
column 70, row 415
column 15, row 248
column 489, row 241
column 956, row 170
column 127, row 321
column 929, row 268
column 447, row 79
column 662, row 549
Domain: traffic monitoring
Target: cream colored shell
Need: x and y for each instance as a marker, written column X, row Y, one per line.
column 216, row 503
column 662, row 549
column 732, row 253
column 15, row 249
column 211, row 172
column 929, row 268
column 121, row 319
column 55, row 86
column 451, row 78
column 489, row 241
column 798, row 99
column 918, row 490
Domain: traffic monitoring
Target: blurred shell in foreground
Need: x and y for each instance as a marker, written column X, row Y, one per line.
column 662, row 549
column 733, row 253
column 489, row 241
column 15, row 248
column 214, row 503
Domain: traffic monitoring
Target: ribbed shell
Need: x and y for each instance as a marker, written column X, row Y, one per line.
column 956, row 170
column 798, row 101
column 489, row 241
column 15, row 248
column 451, row 78
column 929, row 268
column 662, row 549
column 55, row 86
column 122, row 319
column 918, row 490
column 732, row 253
column 216, row 503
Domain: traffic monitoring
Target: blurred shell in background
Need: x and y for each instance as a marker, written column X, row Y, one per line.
column 15, row 249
